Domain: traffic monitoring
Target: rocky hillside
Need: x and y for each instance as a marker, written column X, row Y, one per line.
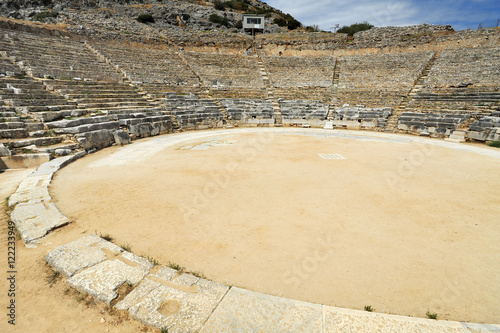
column 146, row 17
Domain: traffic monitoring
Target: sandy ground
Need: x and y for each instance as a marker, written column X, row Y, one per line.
column 405, row 228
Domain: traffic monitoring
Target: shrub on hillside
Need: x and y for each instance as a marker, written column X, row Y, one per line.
column 146, row 18
column 40, row 17
column 219, row 5
column 237, row 5
column 214, row 18
column 287, row 21
column 356, row 27
column 313, row 28
column 293, row 24
column 280, row 22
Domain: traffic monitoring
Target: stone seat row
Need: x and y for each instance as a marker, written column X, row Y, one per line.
column 360, row 117
column 441, row 124
column 58, row 57
column 226, row 70
column 300, row 71
column 249, row 112
column 393, row 72
column 146, row 64
column 465, row 66
column 193, row 112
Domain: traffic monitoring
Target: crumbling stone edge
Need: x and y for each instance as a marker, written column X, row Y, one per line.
column 34, row 213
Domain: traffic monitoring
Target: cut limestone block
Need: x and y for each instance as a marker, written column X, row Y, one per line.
column 246, row 311
column 56, row 164
column 34, row 220
column 179, row 303
column 32, row 189
column 82, row 253
column 346, row 320
column 121, row 137
column 102, row 280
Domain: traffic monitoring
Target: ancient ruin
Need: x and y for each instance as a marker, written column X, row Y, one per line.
column 85, row 81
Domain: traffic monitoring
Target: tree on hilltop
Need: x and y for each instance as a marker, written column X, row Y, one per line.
column 356, row 27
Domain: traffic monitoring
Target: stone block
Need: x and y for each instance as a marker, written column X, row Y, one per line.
column 480, row 136
column 346, row 320
column 56, row 164
column 180, row 303
column 63, row 152
column 96, row 139
column 23, row 161
column 35, row 220
column 82, row 253
column 4, row 151
column 32, row 189
column 122, row 138
column 246, row 311
column 103, row 279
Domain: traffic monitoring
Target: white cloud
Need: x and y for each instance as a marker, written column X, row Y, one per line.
column 327, row 13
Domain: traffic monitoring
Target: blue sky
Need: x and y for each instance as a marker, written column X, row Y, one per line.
column 326, row 13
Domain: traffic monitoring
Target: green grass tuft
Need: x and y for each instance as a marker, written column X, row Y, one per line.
column 174, row 266
column 431, row 315
column 53, row 277
column 126, row 247
column 495, row 144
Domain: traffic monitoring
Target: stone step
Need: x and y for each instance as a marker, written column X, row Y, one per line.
column 13, row 133
column 12, row 125
column 47, row 116
column 103, row 94
column 77, row 122
column 40, row 102
column 114, row 99
column 457, row 136
column 61, row 149
column 45, row 141
column 112, row 125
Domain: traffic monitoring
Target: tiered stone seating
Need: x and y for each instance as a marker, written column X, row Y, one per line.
column 24, row 99
column 103, row 97
column 57, row 57
column 21, row 129
column 477, row 67
column 249, row 112
column 379, row 80
column 466, row 99
column 226, row 70
column 465, row 79
column 288, row 72
column 435, row 124
column 301, row 112
column 239, row 93
column 142, row 125
column 144, row 63
column 462, row 85
column 361, row 118
column 193, row 112
column 156, row 91
column 486, row 129
column 27, row 95
column 324, row 94
column 7, row 68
